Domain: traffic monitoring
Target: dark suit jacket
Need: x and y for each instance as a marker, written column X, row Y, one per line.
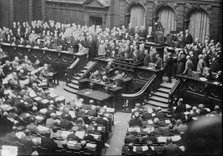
column 169, row 65
column 188, row 39
column 135, row 122
column 49, row 144
column 131, row 139
column 171, row 149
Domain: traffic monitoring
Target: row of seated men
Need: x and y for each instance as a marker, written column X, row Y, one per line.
column 155, row 132
column 20, row 72
column 109, row 75
column 35, row 117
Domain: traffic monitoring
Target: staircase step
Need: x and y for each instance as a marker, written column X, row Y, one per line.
column 83, row 71
column 77, row 77
column 74, row 86
column 71, row 90
column 167, row 85
column 80, row 74
column 164, row 90
column 161, row 94
column 159, row 99
column 75, row 82
column 157, row 104
column 148, row 106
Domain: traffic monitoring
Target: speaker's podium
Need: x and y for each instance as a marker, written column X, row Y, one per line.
column 101, row 98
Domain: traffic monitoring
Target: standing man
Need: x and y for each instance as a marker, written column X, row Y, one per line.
column 188, row 37
column 169, row 66
column 188, row 66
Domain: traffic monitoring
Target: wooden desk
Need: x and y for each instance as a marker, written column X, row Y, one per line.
column 110, row 86
column 207, row 91
column 100, row 97
column 59, row 60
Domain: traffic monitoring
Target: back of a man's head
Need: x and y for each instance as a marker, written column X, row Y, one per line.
column 204, row 136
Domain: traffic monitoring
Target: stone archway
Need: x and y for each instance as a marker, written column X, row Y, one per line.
column 167, row 18
column 136, row 15
column 198, row 23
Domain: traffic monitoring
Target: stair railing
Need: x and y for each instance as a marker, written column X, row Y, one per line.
column 171, row 93
column 141, row 91
column 88, row 71
column 70, row 70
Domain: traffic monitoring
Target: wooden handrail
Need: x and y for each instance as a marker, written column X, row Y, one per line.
column 141, row 91
column 70, row 70
column 93, row 65
column 174, row 87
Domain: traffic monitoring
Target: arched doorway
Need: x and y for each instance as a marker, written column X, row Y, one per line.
column 137, row 15
column 199, row 25
column 167, row 19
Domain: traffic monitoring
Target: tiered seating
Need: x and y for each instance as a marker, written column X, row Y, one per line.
column 38, row 119
column 149, row 129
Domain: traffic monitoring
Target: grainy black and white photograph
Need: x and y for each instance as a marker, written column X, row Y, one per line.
column 110, row 77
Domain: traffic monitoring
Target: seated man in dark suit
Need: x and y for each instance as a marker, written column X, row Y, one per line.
column 135, row 121
column 170, row 148
column 131, row 138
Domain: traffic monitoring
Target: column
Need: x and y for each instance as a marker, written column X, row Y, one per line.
column 11, row 12
column 30, row 6
column 43, row 10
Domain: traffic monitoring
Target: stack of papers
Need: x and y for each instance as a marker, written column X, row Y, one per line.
column 161, row 139
column 60, row 98
column 91, row 145
column 80, row 134
column 64, row 134
column 150, row 122
column 45, row 101
column 52, row 95
column 42, row 129
column 38, row 98
column 144, row 148
column 176, row 138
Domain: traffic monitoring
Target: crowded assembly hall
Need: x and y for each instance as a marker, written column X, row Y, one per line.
column 110, row 77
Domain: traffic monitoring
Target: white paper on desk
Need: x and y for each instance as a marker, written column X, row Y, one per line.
column 43, row 110
column 60, row 98
column 52, row 95
column 71, row 143
column 5, row 81
column 144, row 148
column 111, row 110
column 38, row 98
column 161, row 139
column 39, row 118
column 188, row 106
column 150, row 122
column 167, row 121
column 64, row 134
column 45, row 101
column 152, row 148
column 186, row 113
column 58, row 113
column 134, row 148
column 20, row 135
column 91, row 145
column 32, row 94
column 130, row 129
column 137, row 129
column 80, row 134
column 95, row 136
column 176, row 138
column 9, row 150
column 153, row 114
column 72, row 114
column 42, row 128
column 99, row 128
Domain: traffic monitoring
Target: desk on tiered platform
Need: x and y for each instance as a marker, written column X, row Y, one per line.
column 100, row 97
column 207, row 91
column 59, row 60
